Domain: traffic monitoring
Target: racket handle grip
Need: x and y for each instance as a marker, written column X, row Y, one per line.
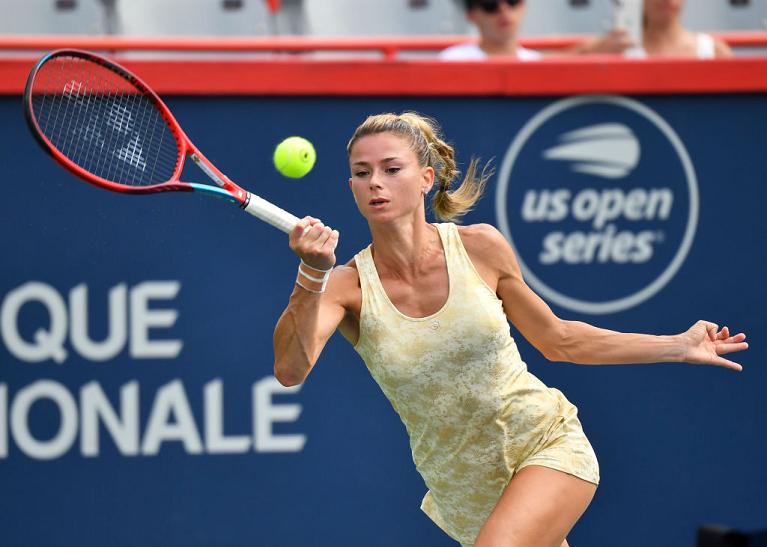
column 270, row 213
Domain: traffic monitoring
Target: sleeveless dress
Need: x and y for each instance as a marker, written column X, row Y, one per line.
column 474, row 414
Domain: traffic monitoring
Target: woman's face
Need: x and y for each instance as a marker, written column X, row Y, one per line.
column 662, row 11
column 386, row 179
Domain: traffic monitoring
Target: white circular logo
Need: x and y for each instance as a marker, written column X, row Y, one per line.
column 599, row 200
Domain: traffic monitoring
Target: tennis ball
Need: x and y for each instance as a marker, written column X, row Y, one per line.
column 294, row 157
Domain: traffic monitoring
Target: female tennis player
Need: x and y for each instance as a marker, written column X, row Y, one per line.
column 428, row 306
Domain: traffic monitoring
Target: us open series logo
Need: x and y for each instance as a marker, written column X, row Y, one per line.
column 599, row 199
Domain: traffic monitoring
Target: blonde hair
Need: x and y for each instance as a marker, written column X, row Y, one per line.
column 425, row 138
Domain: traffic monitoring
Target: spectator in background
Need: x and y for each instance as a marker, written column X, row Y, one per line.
column 664, row 34
column 498, row 22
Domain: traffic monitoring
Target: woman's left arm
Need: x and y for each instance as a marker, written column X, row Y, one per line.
column 703, row 344
column 582, row 343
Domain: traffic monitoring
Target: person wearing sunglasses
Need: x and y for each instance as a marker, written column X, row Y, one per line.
column 498, row 22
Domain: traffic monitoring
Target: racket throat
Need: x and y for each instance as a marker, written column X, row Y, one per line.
column 217, row 176
column 202, row 163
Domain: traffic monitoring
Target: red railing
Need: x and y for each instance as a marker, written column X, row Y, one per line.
column 393, row 75
column 389, row 47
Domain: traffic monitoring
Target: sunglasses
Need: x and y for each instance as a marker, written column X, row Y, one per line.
column 492, row 6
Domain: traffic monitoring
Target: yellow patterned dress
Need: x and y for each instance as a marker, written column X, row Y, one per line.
column 474, row 414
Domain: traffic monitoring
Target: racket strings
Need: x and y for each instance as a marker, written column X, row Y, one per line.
column 121, row 111
column 103, row 122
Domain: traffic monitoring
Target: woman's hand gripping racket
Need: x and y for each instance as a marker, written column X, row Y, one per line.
column 109, row 128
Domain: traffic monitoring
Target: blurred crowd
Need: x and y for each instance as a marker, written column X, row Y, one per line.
column 659, row 32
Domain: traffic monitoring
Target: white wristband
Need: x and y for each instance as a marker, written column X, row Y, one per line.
column 323, row 279
column 315, row 269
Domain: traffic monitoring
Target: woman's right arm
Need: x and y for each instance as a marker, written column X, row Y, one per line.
column 310, row 318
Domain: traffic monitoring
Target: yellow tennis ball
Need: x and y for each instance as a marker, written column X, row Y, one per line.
column 294, row 157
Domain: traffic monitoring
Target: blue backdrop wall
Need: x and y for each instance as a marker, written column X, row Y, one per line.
column 136, row 399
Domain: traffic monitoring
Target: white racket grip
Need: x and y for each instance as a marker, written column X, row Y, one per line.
column 268, row 212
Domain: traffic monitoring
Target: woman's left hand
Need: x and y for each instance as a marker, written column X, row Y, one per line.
column 704, row 343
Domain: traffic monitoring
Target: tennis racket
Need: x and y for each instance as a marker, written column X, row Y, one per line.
column 106, row 126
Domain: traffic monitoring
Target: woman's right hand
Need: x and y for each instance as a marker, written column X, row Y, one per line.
column 314, row 243
column 616, row 40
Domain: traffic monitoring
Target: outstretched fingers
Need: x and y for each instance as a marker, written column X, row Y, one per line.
column 715, row 343
column 729, row 344
column 722, row 362
column 723, row 335
column 724, row 343
column 730, row 347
